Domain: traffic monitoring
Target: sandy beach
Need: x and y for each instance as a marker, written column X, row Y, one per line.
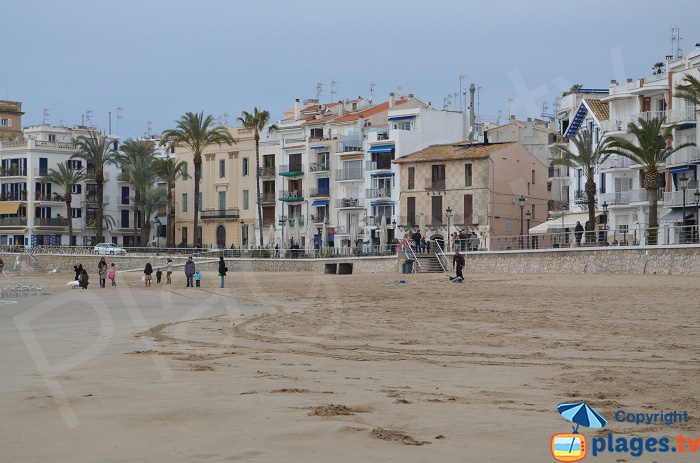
column 304, row 367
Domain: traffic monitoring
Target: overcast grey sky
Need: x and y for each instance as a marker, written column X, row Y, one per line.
column 160, row 58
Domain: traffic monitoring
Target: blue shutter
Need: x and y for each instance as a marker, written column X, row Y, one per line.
column 125, row 218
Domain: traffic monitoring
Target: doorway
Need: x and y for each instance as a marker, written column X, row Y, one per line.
column 221, row 237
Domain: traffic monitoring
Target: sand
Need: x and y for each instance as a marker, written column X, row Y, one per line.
column 305, row 367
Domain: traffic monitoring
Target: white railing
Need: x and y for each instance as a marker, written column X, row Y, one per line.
column 613, row 125
column 440, row 254
column 617, row 198
column 675, row 198
column 616, row 162
column 684, row 156
column 642, row 195
column 409, row 250
column 647, row 116
column 677, row 115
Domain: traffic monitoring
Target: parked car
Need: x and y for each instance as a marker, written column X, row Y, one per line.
column 109, row 249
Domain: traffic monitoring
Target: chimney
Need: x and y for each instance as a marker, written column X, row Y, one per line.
column 528, row 127
column 613, row 82
column 297, row 109
column 472, row 122
column 410, row 95
column 629, row 80
column 391, row 100
column 512, row 117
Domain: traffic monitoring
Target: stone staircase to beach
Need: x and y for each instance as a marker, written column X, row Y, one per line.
column 429, row 263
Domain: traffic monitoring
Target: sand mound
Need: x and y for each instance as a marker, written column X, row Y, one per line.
column 387, row 434
column 336, row 410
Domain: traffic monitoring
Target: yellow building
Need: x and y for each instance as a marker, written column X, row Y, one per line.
column 227, row 191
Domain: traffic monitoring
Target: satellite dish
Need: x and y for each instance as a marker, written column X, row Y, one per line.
column 400, row 91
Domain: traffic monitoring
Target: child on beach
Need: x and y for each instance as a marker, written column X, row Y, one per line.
column 197, row 278
column 168, row 271
column 159, row 274
column 112, row 275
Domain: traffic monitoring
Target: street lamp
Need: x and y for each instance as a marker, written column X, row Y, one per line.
column 242, row 228
column 157, row 223
column 521, row 201
column 697, row 217
column 684, row 186
column 448, row 213
column 528, row 216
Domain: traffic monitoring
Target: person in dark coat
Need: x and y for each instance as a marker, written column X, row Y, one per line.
column 458, row 263
column 578, row 231
column 83, row 279
column 102, row 272
column 222, row 270
column 416, row 240
column 189, row 272
column 78, row 267
column 148, row 272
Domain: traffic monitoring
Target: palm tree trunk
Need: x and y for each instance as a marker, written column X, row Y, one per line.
column 590, row 193
column 257, row 184
column 171, row 217
column 197, row 178
column 145, row 224
column 653, row 211
column 100, row 205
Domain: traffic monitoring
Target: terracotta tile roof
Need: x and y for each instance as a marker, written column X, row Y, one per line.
column 369, row 112
column 519, row 123
column 319, row 120
column 453, row 152
column 600, row 110
column 313, row 107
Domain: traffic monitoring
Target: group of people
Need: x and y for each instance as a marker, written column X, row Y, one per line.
column 104, row 272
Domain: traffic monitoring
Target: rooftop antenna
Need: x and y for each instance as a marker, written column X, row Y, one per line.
column 46, row 116
column 446, row 102
column 371, row 92
column 88, row 117
column 399, row 91
column 333, row 92
column 319, row 91
column 456, row 97
column 478, row 103
column 225, row 118
column 676, row 50
column 498, row 119
column 149, row 127
column 61, row 122
column 510, row 100
column 119, row 116
column 461, row 78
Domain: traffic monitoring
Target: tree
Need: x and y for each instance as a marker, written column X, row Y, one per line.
column 658, row 68
column 138, row 162
column 257, row 123
column 576, row 88
column 588, row 156
column 96, row 150
column 651, row 147
column 689, row 90
column 65, row 177
column 155, row 198
column 196, row 132
column 170, row 171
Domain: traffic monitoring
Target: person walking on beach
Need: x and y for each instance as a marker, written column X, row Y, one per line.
column 112, row 275
column 222, row 270
column 83, row 279
column 168, row 272
column 189, row 272
column 102, row 272
column 578, row 231
column 159, row 275
column 78, row 268
column 458, row 263
column 148, row 271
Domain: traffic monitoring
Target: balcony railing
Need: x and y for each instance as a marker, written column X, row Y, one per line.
column 617, row 198
column 616, row 162
column 54, row 198
column 613, row 125
column 290, row 195
column 580, row 197
column 642, row 195
column 678, row 115
column 319, row 167
column 675, row 198
column 92, row 199
column 374, row 165
column 556, row 205
column 291, row 170
column 376, row 220
column 267, row 198
column 319, row 192
column 378, row 193
column 51, row 222
column 558, row 171
column 267, row 171
column 13, row 172
column 434, row 184
column 317, row 218
column 406, row 221
column 21, row 196
column 90, row 175
column 647, row 116
column 221, row 214
column 13, row 222
column 349, row 203
column 296, row 220
column 687, row 155
column 267, row 222
column 41, row 172
column 350, row 174
column 349, row 145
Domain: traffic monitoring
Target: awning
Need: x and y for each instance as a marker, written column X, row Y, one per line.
column 319, row 147
column 556, row 224
column 401, row 118
column 577, row 121
column 388, row 174
column 9, row 208
column 675, row 170
column 319, row 202
column 382, row 203
column 381, row 149
column 675, row 216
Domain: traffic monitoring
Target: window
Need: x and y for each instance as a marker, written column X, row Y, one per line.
column 76, row 189
column 125, row 196
column 184, row 235
column 533, row 211
column 222, row 200
column 125, row 218
column 316, row 133
column 438, row 176
column 468, row 209
column 5, row 122
column 437, row 210
column 184, row 169
column 246, row 199
column 602, row 183
column 411, row 211
column 246, row 167
column 52, row 137
column 533, row 176
column 468, row 175
column 411, row 178
column 222, row 168
column 184, row 202
column 74, row 164
column 76, row 212
column 172, row 149
column 402, row 125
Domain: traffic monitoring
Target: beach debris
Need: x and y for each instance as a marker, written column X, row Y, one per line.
column 337, row 410
column 396, row 436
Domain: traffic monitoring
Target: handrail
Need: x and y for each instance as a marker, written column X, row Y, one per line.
column 415, row 259
column 437, row 245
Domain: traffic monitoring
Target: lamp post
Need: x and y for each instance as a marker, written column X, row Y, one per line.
column 605, row 213
column 697, row 217
column 521, row 201
column 448, row 213
column 528, row 216
column 242, row 228
column 156, row 224
column 684, row 187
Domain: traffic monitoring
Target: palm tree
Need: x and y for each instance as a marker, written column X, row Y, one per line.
column 196, row 132
column 156, row 198
column 689, row 90
column 65, row 178
column 588, row 157
column 96, row 150
column 257, row 122
column 138, row 163
column 651, row 147
column 170, row 170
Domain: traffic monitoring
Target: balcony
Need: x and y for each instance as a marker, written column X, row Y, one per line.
column 91, row 173
column 320, row 167
column 434, row 184
column 376, row 220
column 408, row 221
column 647, row 116
column 616, row 162
column 267, row 198
column 642, row 196
column 267, row 222
column 13, row 171
column 230, row 214
column 580, row 198
column 679, row 115
column 374, row 165
column 291, row 170
column 51, row 222
column 91, row 199
column 675, row 198
column 290, row 195
column 684, row 156
column 558, row 171
column 617, row 198
column 41, row 172
column 349, row 145
column 556, row 205
column 55, row 198
column 13, row 222
column 296, row 221
column 317, row 218
column 268, row 171
column 349, row 203
column 319, row 192
column 378, row 193
column 349, row 174
column 613, row 125
column 21, row 196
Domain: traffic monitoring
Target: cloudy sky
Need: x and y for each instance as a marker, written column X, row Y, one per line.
column 159, row 58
